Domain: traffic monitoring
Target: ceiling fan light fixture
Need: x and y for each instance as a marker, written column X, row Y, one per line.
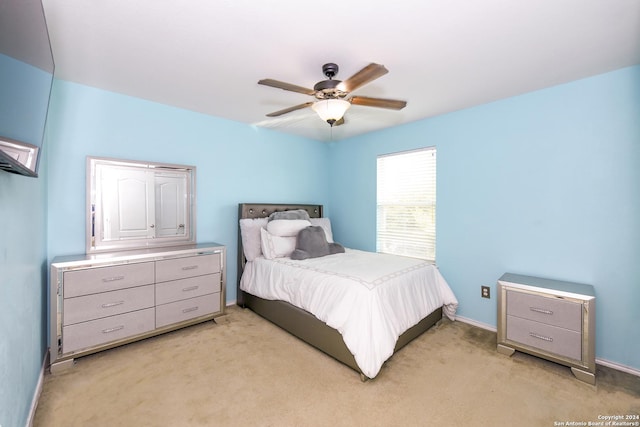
column 331, row 110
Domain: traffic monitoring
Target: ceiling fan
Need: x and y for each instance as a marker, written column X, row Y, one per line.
column 330, row 94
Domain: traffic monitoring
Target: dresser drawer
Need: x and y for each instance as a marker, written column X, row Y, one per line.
column 181, row 268
column 97, row 332
column 96, row 306
column 179, row 311
column 94, row 280
column 177, row 290
column 549, row 338
column 549, row 310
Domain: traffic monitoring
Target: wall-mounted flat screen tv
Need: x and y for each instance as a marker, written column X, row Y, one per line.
column 26, row 77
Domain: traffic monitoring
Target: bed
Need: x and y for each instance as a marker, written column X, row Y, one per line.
column 380, row 320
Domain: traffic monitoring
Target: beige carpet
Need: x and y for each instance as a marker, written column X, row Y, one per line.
column 244, row 371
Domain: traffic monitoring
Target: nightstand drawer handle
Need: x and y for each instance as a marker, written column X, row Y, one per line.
column 187, row 310
column 541, row 310
column 114, row 329
column 113, row 279
column 112, row 304
column 540, row 337
column 191, row 267
column 190, row 288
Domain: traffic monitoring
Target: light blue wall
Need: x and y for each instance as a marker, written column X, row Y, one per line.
column 235, row 162
column 23, row 290
column 23, row 293
column 544, row 184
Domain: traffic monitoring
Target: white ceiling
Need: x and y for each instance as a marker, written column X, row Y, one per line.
column 442, row 55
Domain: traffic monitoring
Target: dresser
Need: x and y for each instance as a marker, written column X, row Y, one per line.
column 100, row 301
column 547, row 318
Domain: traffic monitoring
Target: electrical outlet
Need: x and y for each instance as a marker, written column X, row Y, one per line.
column 486, row 291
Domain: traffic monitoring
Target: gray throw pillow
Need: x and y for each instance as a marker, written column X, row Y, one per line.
column 312, row 243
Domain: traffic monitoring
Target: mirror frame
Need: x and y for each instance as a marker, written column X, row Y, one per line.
column 94, row 207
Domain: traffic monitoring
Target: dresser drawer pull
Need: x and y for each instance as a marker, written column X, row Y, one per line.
column 190, row 288
column 190, row 267
column 540, row 337
column 541, row 310
column 112, row 304
column 112, row 279
column 190, row 309
column 114, row 329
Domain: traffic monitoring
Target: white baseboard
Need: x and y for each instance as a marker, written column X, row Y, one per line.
column 476, row 323
column 618, row 367
column 603, row 362
column 37, row 391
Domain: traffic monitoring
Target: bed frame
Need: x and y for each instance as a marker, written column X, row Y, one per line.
column 301, row 323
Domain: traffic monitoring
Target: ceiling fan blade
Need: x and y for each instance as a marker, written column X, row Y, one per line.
column 290, row 109
column 392, row 104
column 286, row 86
column 362, row 77
column 339, row 122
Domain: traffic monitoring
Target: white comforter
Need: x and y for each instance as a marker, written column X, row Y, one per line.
column 370, row 298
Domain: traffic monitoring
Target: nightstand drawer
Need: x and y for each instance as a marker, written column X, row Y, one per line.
column 96, row 306
column 550, row 310
column 549, row 338
column 101, row 331
column 181, row 268
column 93, row 280
column 177, row 290
column 179, row 311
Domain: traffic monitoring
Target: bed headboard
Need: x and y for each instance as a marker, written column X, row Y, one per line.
column 263, row 210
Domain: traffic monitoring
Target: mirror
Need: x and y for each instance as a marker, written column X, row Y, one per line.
column 135, row 205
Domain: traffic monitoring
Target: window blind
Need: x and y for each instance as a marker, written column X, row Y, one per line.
column 406, row 203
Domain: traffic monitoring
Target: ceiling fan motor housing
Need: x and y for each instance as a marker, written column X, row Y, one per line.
column 327, row 89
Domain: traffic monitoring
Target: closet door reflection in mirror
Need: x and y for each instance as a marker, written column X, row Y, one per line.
column 170, row 204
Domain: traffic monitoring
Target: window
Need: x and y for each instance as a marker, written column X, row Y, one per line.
column 406, row 204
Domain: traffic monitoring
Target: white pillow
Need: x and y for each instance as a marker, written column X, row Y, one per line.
column 276, row 246
column 326, row 226
column 287, row 227
column 250, row 233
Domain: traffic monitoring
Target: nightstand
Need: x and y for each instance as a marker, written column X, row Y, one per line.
column 547, row 318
